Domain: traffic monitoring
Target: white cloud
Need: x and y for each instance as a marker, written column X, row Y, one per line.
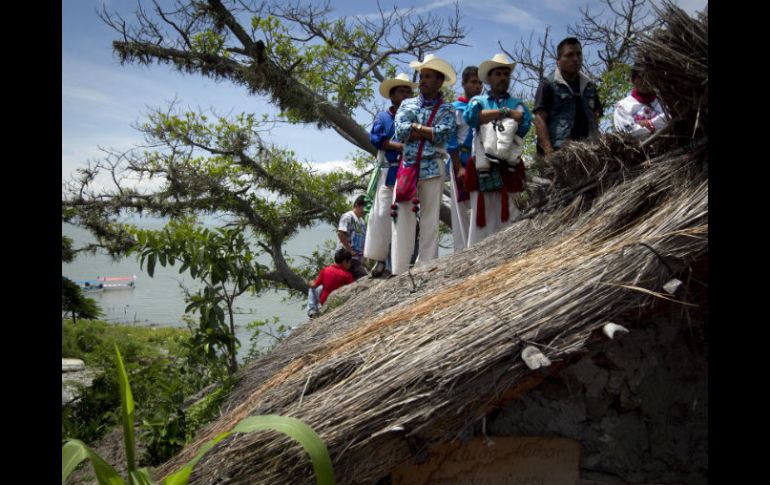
column 502, row 12
column 78, row 151
column 558, row 5
column 334, row 166
column 87, row 95
column 434, row 5
column 412, row 10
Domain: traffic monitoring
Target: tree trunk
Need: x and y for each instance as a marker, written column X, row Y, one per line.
column 233, row 367
column 282, row 270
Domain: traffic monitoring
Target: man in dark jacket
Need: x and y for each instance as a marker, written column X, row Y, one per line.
column 567, row 105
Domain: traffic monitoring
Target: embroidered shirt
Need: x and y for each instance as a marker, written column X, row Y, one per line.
column 629, row 111
column 418, row 110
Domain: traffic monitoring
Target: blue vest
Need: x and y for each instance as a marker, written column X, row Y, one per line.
column 562, row 115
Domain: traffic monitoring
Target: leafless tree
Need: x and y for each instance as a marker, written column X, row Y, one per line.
column 614, row 31
column 229, row 42
column 533, row 59
column 608, row 37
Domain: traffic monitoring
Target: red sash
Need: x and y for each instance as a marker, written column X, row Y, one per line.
column 512, row 182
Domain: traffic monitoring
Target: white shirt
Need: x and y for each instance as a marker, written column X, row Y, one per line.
column 629, row 111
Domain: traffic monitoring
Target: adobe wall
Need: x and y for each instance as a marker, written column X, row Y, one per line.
column 637, row 405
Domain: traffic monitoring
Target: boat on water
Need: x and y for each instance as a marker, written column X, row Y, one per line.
column 108, row 283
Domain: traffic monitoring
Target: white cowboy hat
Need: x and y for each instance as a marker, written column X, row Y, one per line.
column 400, row 80
column 440, row 65
column 500, row 60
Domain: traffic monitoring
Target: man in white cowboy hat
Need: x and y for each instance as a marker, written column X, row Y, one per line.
column 378, row 230
column 423, row 125
column 496, row 172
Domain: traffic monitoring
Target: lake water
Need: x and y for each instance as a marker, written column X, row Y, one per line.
column 160, row 300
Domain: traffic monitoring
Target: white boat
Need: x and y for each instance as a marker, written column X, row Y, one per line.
column 108, row 283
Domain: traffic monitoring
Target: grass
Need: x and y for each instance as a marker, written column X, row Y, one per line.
column 92, row 341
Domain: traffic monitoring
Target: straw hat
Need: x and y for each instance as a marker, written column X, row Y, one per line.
column 440, row 65
column 400, row 80
column 500, row 60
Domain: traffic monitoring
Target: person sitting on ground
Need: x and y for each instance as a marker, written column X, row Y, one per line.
column 329, row 279
column 640, row 114
column 351, row 233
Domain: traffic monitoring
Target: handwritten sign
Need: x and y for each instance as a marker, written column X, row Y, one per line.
column 496, row 461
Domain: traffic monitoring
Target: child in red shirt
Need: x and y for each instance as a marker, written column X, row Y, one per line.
column 329, row 279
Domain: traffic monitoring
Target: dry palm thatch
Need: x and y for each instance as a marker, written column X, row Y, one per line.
column 675, row 62
column 422, row 357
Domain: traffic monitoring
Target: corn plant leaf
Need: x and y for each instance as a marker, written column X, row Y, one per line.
column 127, row 412
column 75, row 451
column 300, row 432
column 141, row 476
column 183, row 475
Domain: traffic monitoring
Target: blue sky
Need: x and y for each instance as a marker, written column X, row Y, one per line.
column 102, row 99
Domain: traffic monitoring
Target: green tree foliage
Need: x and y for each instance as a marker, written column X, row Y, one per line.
column 214, row 166
column 68, row 253
column 75, row 304
column 223, row 260
column 615, row 84
column 315, row 65
column 258, row 328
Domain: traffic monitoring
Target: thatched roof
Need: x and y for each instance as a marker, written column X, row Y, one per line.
column 422, row 357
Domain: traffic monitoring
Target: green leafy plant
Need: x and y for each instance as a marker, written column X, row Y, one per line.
column 75, row 451
column 614, row 85
column 223, row 260
column 273, row 330
column 165, row 430
column 163, row 371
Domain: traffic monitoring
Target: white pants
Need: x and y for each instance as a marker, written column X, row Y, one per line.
column 402, row 243
column 492, row 206
column 378, row 229
column 460, row 217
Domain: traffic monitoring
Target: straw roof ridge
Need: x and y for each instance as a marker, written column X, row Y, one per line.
column 362, row 378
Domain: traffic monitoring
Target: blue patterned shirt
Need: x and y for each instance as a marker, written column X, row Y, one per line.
column 459, row 137
column 489, row 101
column 417, row 110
